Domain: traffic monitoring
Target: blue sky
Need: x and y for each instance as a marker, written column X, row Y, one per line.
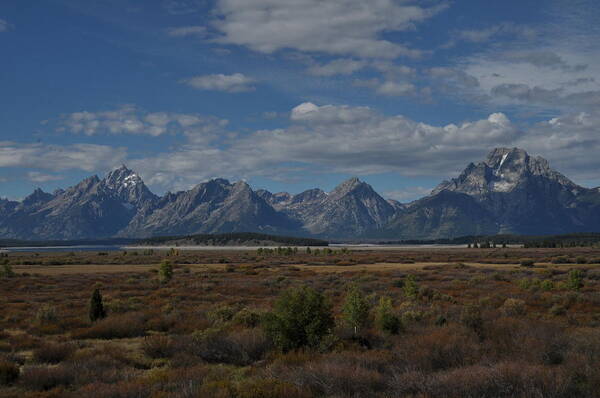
column 293, row 94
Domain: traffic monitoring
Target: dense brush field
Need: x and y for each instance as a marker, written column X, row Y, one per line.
column 407, row 323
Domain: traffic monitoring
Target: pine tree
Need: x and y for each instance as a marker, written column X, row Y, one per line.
column 96, row 307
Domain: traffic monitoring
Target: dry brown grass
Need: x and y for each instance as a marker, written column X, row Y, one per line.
column 480, row 325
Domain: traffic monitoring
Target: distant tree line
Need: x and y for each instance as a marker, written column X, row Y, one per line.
column 64, row 243
column 591, row 239
column 227, row 238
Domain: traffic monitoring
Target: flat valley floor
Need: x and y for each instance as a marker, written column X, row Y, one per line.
column 472, row 322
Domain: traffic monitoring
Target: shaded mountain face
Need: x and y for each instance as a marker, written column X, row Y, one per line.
column 445, row 214
column 352, row 209
column 509, row 192
column 93, row 208
column 213, row 207
column 521, row 194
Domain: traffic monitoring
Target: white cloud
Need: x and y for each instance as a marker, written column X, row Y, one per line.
column 571, row 142
column 185, row 31
column 36, row 176
column 88, row 157
column 340, row 27
column 129, row 119
column 336, row 138
column 546, row 78
column 507, row 29
column 387, row 87
column 235, row 83
column 337, row 67
column 391, row 88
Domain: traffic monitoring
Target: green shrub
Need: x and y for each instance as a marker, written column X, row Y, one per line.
column 385, row 319
column 513, row 307
column 547, row 285
column 302, row 316
column 575, row 280
column 248, row 317
column 165, row 271
column 410, row 287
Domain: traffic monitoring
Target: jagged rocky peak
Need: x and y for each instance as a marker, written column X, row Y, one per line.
column 515, row 160
column 37, row 197
column 122, row 177
column 504, row 170
column 310, row 195
column 350, row 185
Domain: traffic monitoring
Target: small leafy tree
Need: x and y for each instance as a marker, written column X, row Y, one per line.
column 301, row 318
column 165, row 272
column 96, row 306
column 356, row 309
column 575, row 281
column 410, row 288
column 385, row 320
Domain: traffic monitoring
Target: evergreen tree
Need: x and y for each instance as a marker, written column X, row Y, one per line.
column 96, row 307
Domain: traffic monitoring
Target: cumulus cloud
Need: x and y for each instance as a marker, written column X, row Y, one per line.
column 340, row 27
column 337, row 138
column 129, row 119
column 187, row 31
column 347, row 139
column 570, row 141
column 392, row 88
column 88, row 157
column 235, row 83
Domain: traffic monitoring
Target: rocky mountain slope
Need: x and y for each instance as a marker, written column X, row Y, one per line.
column 509, row 192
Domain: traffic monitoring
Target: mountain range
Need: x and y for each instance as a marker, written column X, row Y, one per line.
column 509, row 192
